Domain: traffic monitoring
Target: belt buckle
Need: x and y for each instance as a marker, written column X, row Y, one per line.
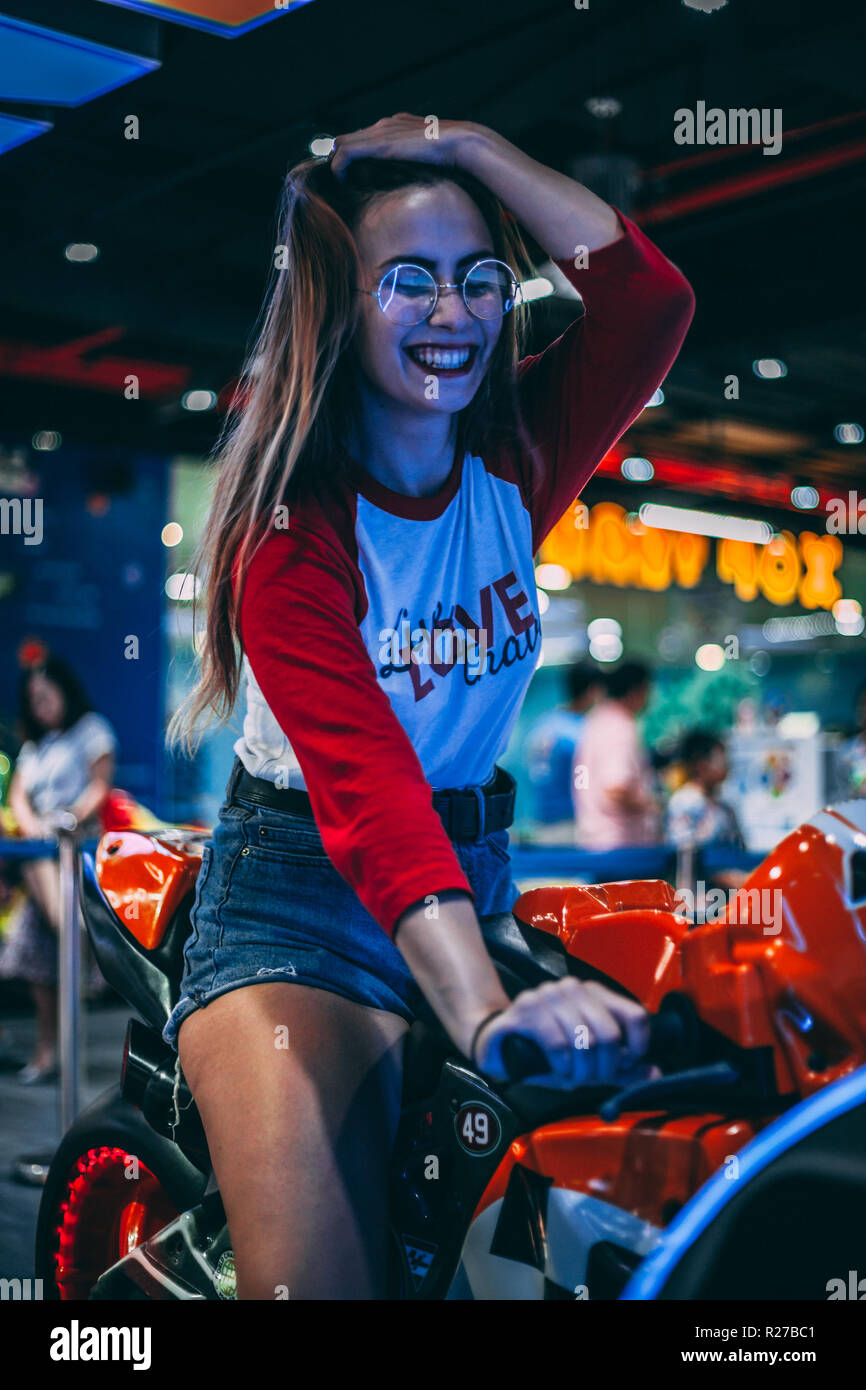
column 461, row 817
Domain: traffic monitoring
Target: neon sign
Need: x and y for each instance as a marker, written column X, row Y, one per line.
column 607, row 545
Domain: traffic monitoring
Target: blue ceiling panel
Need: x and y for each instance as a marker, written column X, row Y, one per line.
column 196, row 17
column 54, row 69
column 15, row 130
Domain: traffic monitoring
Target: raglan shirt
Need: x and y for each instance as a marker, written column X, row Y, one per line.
column 389, row 640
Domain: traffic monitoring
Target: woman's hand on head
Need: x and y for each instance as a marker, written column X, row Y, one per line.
column 402, row 137
column 591, row 1035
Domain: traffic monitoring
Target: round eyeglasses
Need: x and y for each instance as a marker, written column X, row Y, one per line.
column 408, row 294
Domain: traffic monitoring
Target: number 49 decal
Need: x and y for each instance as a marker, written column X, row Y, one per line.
column 478, row 1129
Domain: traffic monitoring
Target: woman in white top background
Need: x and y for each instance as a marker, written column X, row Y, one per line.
column 66, row 762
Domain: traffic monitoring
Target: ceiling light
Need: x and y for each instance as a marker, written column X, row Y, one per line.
column 770, row 368
column 552, row 577
column 603, row 627
column 182, row 587
column 760, row 664
column 697, row 523
column 637, row 470
column 46, row 441
column 538, row 288
column 81, row 251
column 710, row 657
column 798, row 629
column 848, row 433
column 848, row 617
column 603, row 107
column 199, row 400
column 608, row 647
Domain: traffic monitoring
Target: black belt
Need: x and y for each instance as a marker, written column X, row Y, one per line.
column 467, row 813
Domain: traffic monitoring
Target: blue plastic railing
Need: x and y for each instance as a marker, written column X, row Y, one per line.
column 531, row 861
column 613, row 865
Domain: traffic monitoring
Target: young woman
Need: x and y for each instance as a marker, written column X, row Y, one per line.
column 390, row 476
column 65, row 763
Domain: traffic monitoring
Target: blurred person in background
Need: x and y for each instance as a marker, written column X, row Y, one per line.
column 852, row 754
column 65, row 763
column 614, row 787
column 695, row 815
column 550, row 748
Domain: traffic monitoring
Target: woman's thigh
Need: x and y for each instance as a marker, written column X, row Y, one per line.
column 42, row 880
column 299, row 1092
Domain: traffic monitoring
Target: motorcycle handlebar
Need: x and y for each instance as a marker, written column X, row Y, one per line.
column 523, row 1056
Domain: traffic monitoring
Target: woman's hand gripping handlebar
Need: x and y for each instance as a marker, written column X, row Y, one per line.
column 565, row 1034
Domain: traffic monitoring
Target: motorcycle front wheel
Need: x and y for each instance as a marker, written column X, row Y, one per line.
column 112, row 1185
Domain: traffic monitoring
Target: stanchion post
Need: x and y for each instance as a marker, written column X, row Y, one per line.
column 70, row 971
column 686, row 867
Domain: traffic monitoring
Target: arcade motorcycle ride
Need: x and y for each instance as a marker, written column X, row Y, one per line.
column 737, row 1172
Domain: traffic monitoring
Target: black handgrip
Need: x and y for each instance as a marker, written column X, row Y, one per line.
column 522, row 1057
column 674, row 1035
column 666, row 1033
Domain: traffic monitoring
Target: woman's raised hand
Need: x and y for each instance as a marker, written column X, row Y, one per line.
column 401, row 137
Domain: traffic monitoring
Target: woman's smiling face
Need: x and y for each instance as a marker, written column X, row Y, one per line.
column 441, row 229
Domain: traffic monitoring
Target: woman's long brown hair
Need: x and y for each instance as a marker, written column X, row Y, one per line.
column 296, row 398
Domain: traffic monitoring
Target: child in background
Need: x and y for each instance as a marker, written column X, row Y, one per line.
column 695, row 815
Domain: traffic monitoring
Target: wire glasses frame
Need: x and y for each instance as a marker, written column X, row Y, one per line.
column 408, row 294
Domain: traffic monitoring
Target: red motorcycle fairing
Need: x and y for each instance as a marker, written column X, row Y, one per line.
column 146, row 877
column 783, row 967
column 574, row 1206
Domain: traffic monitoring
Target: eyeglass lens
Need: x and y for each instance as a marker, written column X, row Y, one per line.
column 407, row 293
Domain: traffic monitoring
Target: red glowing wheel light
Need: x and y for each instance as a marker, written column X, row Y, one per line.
column 103, row 1214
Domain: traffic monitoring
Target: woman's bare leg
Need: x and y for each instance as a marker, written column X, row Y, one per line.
column 45, row 1050
column 299, row 1093
column 42, row 880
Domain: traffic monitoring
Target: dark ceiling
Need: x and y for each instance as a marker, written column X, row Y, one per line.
column 184, row 216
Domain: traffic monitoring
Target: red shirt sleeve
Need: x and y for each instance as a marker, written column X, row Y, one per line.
column 372, row 803
column 583, row 392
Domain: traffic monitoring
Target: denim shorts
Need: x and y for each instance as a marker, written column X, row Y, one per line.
column 269, row 905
